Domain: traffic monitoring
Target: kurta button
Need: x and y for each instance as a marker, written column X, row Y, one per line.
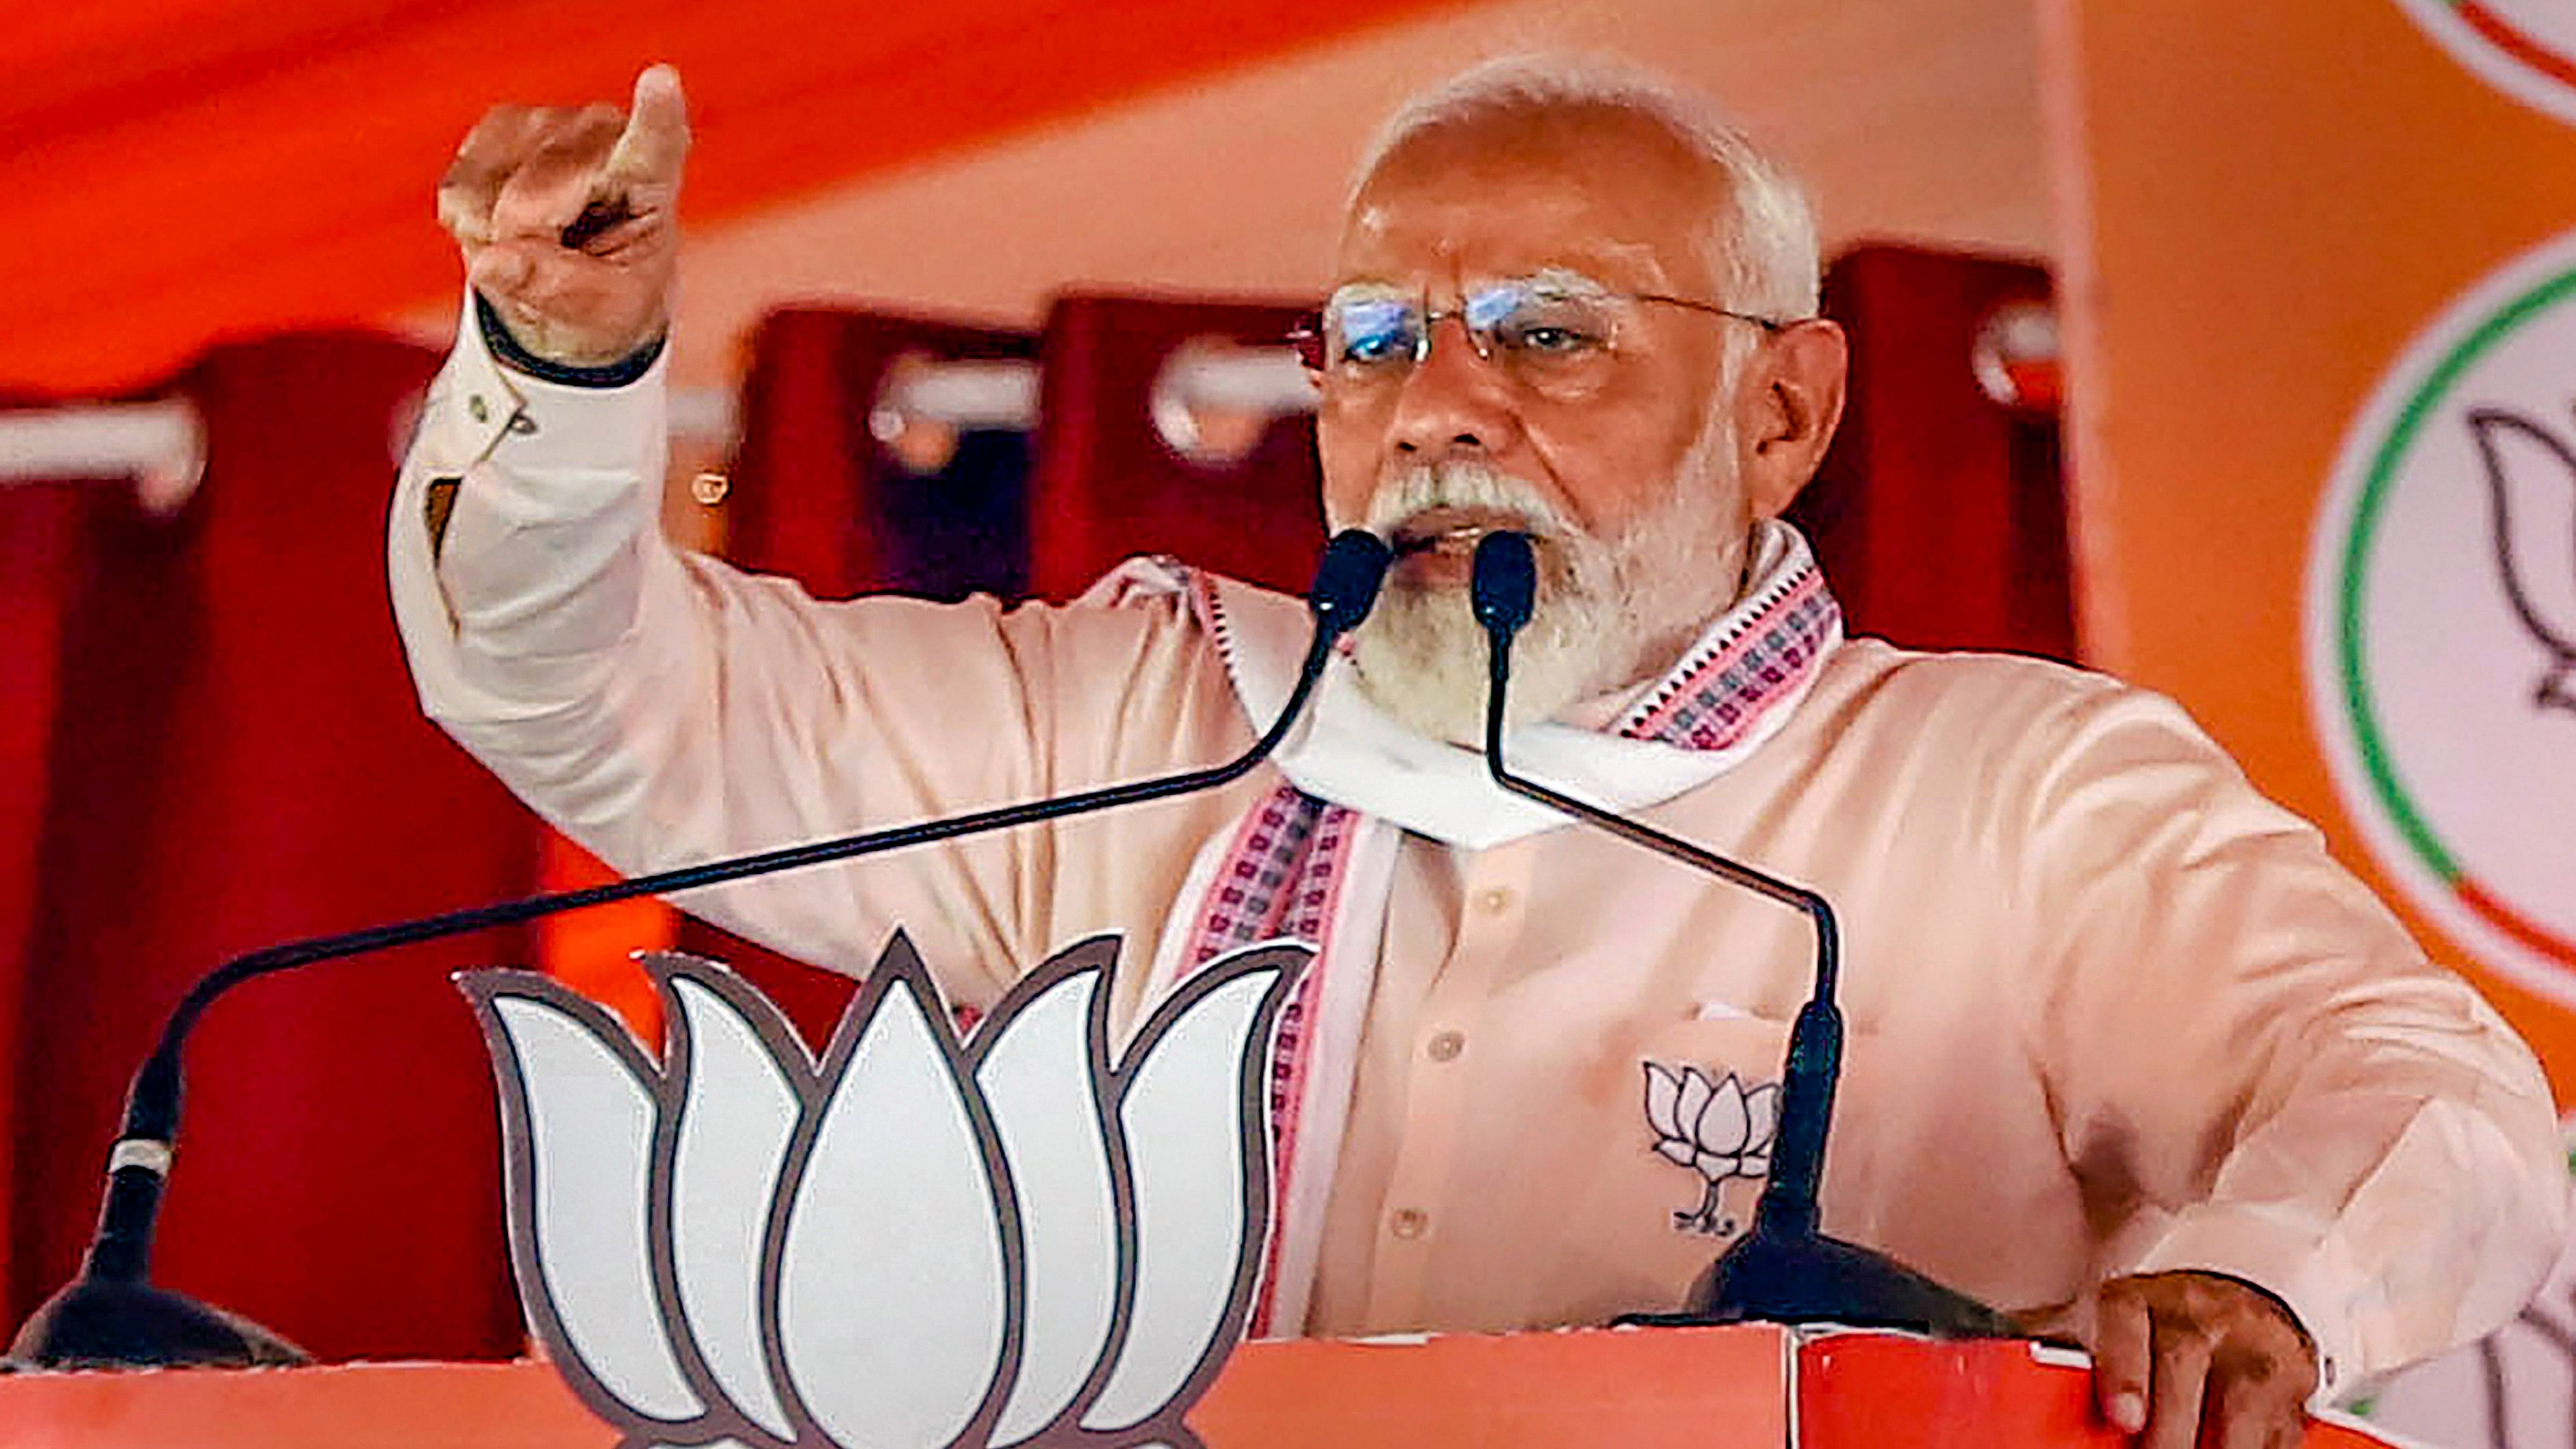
column 1494, row 900
column 1445, row 1046
column 523, row 425
column 477, row 409
column 1410, row 1223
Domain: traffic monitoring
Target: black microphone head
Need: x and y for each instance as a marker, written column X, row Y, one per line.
column 1505, row 584
column 1346, row 582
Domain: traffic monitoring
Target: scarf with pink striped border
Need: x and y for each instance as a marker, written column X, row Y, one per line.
column 1287, row 871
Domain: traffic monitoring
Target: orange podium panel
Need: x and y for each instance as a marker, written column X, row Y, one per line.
column 1712, row 1388
column 1715, row 1388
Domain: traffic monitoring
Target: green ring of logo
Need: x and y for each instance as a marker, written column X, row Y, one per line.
column 2352, row 672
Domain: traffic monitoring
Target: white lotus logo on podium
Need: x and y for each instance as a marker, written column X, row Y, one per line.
column 1016, row 1239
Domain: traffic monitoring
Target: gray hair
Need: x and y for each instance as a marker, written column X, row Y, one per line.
column 1768, row 258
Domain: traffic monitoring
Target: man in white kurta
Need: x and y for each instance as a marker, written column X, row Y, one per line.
column 2111, row 1012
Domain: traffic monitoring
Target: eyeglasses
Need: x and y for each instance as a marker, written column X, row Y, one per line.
column 1557, row 335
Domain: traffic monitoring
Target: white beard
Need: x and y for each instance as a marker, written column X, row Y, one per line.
column 1422, row 655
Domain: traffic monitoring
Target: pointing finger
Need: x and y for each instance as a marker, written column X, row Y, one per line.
column 656, row 139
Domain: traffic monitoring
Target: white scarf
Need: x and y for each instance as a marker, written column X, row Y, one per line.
column 1314, row 859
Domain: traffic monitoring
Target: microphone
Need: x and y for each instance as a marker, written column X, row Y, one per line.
column 111, row 1316
column 1785, row 1270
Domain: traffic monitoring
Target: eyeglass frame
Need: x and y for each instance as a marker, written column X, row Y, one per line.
column 1308, row 339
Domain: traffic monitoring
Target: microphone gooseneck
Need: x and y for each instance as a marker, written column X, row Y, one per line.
column 1785, row 1270
column 110, row 1316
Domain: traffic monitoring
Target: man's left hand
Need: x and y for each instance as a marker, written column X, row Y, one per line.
column 2200, row 1358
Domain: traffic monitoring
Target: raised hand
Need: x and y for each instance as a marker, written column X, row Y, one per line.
column 569, row 219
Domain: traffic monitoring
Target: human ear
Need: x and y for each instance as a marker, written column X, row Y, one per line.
column 1794, row 399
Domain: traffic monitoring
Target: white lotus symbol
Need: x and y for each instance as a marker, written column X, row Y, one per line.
column 2531, row 492
column 915, row 1242
column 1716, row 1127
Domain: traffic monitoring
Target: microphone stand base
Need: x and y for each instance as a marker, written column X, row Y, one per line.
column 100, row 1323
column 1801, row 1279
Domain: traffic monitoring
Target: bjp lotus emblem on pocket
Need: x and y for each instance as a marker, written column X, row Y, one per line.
column 1014, row 1239
column 1716, row 1128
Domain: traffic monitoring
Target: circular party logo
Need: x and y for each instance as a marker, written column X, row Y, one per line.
column 2441, row 621
column 2525, row 48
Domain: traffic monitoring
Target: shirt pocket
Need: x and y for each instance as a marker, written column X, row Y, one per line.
column 1682, row 1150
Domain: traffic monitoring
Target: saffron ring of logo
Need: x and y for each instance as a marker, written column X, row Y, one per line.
column 2525, row 48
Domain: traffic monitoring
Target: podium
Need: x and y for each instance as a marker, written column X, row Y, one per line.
column 756, row 1325
column 1743, row 1387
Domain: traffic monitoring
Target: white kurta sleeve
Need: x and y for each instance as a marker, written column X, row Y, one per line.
column 2256, row 1071
column 665, row 709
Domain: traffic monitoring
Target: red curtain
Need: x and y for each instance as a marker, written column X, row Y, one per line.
column 41, row 530
column 1110, row 485
column 237, row 760
column 818, row 496
column 1940, row 512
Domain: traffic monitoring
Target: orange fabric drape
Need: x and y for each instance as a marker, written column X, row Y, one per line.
column 177, row 169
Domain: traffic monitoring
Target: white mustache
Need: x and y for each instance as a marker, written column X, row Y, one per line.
column 1423, row 487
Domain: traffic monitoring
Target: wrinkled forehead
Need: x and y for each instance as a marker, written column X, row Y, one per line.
column 1596, row 192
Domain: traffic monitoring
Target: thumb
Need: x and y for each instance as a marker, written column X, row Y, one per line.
column 656, row 138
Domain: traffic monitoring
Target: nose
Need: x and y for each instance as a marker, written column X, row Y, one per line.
column 1454, row 402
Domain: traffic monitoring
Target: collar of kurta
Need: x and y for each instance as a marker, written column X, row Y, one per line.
column 1734, row 688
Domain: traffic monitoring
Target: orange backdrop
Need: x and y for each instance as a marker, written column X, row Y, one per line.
column 172, row 167
column 2264, row 204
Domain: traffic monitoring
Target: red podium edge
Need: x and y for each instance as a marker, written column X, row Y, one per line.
column 1858, row 1390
